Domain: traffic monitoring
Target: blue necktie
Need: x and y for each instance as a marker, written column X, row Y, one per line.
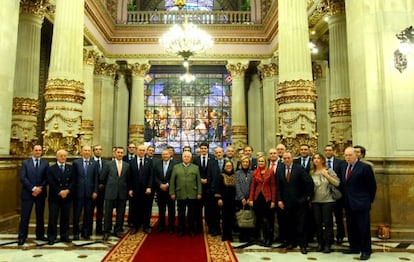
column 85, row 166
column 329, row 163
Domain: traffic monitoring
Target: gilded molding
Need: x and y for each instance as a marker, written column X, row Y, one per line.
column 90, row 57
column 237, row 70
column 296, row 91
column 268, row 70
column 104, row 69
column 25, row 106
column 55, row 140
column 293, row 142
column 36, row 7
column 87, row 125
column 62, row 108
column 340, row 107
column 336, row 7
column 139, row 69
column 64, row 90
column 136, row 129
column 297, row 109
column 317, row 71
column 239, row 130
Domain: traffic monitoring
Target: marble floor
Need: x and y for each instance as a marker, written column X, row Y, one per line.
column 95, row 250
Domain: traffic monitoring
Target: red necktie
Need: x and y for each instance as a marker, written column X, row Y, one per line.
column 288, row 175
column 348, row 172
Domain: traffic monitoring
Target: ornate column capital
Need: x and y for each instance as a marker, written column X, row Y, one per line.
column 237, row 70
column 296, row 91
column 268, row 70
column 139, row 69
column 104, row 69
column 90, row 56
column 336, row 7
column 36, row 7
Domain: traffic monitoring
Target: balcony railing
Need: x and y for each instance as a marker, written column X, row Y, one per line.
column 196, row 17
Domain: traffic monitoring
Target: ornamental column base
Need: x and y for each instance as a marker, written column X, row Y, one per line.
column 341, row 124
column 239, row 136
column 136, row 134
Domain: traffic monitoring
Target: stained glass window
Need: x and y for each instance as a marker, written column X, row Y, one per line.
column 180, row 114
column 203, row 5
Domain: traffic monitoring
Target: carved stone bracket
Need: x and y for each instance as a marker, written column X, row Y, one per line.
column 64, row 90
column 138, row 69
column 296, row 91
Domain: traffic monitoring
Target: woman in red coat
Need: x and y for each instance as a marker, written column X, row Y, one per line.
column 263, row 198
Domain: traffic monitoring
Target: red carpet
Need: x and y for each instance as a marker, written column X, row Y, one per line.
column 165, row 247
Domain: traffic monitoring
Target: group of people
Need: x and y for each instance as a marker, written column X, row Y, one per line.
column 296, row 191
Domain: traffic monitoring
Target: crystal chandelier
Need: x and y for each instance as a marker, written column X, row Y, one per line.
column 406, row 38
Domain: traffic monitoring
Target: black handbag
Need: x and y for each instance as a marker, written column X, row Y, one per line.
column 246, row 218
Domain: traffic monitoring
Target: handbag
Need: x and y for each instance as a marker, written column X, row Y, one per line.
column 246, row 218
column 334, row 191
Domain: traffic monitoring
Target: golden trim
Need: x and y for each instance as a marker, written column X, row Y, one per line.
column 136, row 129
column 340, row 107
column 90, row 57
column 64, row 118
column 239, row 130
column 297, row 109
column 104, row 69
column 87, row 125
column 36, row 7
column 64, row 90
column 25, row 106
column 63, row 108
column 293, row 142
column 296, row 91
column 336, row 7
column 139, row 69
column 268, row 70
column 237, row 70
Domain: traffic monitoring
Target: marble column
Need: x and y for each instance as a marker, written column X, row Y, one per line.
column 136, row 119
column 90, row 57
column 121, row 109
column 26, row 82
column 8, row 29
column 256, row 116
column 339, row 102
column 321, row 75
column 237, row 71
column 269, row 72
column 296, row 94
column 64, row 93
column 103, row 107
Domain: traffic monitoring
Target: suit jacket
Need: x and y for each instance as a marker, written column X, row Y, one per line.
column 360, row 188
column 85, row 184
column 31, row 177
column 185, row 182
column 298, row 161
column 140, row 180
column 253, row 164
column 298, row 190
column 211, row 172
column 126, row 158
column 158, row 167
column 59, row 181
column 116, row 187
column 264, row 184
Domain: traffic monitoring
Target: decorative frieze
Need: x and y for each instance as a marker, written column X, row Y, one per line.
column 296, row 91
column 64, row 90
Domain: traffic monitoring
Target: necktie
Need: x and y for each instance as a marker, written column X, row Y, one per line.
column 119, row 167
column 329, row 163
column 140, row 163
column 288, row 174
column 85, row 166
column 221, row 164
column 37, row 163
column 99, row 163
column 304, row 162
column 165, row 168
column 348, row 172
column 273, row 166
column 280, row 160
column 204, row 162
column 62, row 168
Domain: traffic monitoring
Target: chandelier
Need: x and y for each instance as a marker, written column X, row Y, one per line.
column 406, row 38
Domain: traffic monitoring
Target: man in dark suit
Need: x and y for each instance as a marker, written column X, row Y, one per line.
column 33, row 176
column 98, row 202
column 86, row 190
column 115, row 175
column 132, row 149
column 359, row 192
column 209, row 172
column 141, row 197
column 294, row 190
column 337, row 165
column 61, row 188
column 185, row 187
column 305, row 161
column 162, row 176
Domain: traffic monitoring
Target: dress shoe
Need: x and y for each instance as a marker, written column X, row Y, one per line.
column 20, row 242
column 303, row 250
column 364, row 256
column 98, row 232
column 119, row 235
column 283, row 245
column 42, row 238
column 65, row 239
column 327, row 250
column 319, row 248
column 339, row 240
column 105, row 237
column 147, row 230
column 350, row 251
column 76, row 237
column 134, row 230
column 289, row 246
column 86, row 237
column 51, row 242
column 267, row 243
